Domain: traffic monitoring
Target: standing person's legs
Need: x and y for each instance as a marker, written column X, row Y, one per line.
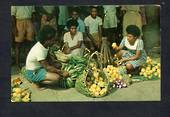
column 60, row 33
column 17, row 54
column 97, row 41
column 111, row 37
column 30, row 31
column 88, row 43
column 19, row 38
column 111, row 34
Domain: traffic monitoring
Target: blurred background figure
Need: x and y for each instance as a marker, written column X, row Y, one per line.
column 110, row 22
column 62, row 18
column 23, row 29
column 75, row 16
column 48, row 16
column 132, row 16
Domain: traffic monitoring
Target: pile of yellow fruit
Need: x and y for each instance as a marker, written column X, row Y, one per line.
column 112, row 73
column 115, row 74
column 98, row 86
column 20, row 95
column 151, row 69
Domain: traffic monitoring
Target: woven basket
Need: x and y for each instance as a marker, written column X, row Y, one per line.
column 81, row 83
column 61, row 56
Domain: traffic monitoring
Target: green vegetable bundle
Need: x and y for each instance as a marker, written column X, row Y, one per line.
column 75, row 67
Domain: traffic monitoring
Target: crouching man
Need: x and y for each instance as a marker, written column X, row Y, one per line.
column 38, row 69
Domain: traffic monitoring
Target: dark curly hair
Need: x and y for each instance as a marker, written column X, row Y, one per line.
column 72, row 23
column 133, row 30
column 47, row 32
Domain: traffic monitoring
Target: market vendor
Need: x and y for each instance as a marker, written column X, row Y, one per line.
column 73, row 39
column 131, row 49
column 38, row 69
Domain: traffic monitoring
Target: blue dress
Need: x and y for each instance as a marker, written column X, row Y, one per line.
column 130, row 50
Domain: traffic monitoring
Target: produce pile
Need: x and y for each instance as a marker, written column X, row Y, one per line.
column 151, row 70
column 75, row 67
column 97, row 84
column 118, row 76
column 19, row 94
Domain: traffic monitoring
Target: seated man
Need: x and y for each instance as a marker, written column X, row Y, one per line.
column 37, row 68
column 73, row 39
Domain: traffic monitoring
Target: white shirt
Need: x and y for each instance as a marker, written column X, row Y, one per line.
column 22, row 12
column 37, row 53
column 73, row 42
column 93, row 24
column 138, row 45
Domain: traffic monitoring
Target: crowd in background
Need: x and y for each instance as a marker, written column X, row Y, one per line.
column 93, row 23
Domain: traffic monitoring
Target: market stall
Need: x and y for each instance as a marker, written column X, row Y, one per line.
column 94, row 74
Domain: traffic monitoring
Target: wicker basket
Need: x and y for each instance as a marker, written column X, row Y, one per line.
column 61, row 56
column 81, row 84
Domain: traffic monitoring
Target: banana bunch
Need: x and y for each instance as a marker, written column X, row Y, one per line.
column 151, row 69
column 20, row 95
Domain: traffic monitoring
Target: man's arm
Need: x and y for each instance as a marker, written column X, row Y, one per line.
column 76, row 46
column 14, row 29
column 135, row 57
column 100, row 31
column 88, row 33
column 50, row 68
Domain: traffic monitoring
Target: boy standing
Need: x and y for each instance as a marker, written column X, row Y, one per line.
column 93, row 25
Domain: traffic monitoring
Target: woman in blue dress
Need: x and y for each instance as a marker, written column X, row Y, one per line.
column 131, row 49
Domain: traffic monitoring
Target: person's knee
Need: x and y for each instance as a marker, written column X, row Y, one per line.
column 52, row 77
column 129, row 67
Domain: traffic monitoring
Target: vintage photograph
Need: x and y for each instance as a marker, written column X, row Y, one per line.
column 85, row 53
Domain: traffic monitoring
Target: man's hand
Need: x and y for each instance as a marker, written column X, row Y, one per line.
column 65, row 74
column 122, row 61
column 68, row 50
